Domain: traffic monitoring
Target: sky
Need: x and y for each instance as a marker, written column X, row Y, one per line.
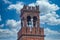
column 10, row 18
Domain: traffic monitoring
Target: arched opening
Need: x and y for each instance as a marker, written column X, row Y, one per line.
column 28, row 20
column 22, row 22
column 34, row 21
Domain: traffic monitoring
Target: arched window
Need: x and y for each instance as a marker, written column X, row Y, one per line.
column 34, row 20
column 28, row 20
column 22, row 22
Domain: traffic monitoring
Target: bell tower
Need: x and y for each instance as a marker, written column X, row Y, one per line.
column 30, row 24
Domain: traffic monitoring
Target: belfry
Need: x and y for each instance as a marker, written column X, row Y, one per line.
column 30, row 24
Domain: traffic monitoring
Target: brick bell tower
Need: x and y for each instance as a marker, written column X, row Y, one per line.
column 30, row 24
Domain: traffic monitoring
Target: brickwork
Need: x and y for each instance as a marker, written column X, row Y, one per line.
column 30, row 33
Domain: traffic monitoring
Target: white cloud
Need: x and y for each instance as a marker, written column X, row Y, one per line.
column 14, row 25
column 7, row 31
column 10, row 33
column 18, row 6
column 47, row 12
column 49, row 16
column 32, row 4
column 50, row 19
column 42, row 0
column 51, row 38
column 7, row 2
column 46, row 7
column 2, row 25
column 51, row 34
column 0, row 18
column 6, row 34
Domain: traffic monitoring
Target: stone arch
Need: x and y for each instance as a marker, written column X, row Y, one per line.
column 34, row 20
column 28, row 20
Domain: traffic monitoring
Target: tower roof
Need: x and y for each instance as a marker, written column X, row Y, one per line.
column 30, row 9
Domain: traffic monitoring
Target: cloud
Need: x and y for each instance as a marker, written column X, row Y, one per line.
column 18, row 6
column 10, row 33
column 7, row 2
column 48, row 16
column 42, row 0
column 46, row 9
column 50, row 19
column 2, row 25
column 32, row 4
column 6, row 34
column 48, row 13
column 13, row 25
column 51, row 34
column 0, row 18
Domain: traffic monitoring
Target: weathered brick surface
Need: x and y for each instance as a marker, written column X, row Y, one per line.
column 36, row 32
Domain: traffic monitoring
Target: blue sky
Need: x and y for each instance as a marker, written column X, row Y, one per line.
column 10, row 17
